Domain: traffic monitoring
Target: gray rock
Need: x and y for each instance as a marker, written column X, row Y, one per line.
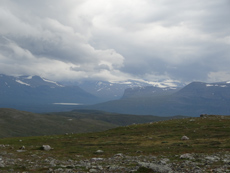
column 99, row 151
column 184, row 138
column 118, row 155
column 186, row 156
column 46, row 147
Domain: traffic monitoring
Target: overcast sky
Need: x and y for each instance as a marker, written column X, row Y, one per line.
column 116, row 39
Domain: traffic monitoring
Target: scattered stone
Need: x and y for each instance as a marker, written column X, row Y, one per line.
column 12, row 161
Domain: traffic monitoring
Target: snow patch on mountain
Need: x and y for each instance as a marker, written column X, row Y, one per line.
column 166, row 84
column 46, row 80
column 217, row 85
column 23, row 83
column 28, row 77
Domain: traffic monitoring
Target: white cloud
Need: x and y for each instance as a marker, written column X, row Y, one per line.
column 218, row 76
column 115, row 39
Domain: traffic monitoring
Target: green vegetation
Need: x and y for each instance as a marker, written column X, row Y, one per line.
column 206, row 135
column 113, row 118
column 15, row 123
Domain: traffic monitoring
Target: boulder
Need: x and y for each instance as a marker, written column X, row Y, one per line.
column 99, row 151
column 184, row 138
column 46, row 147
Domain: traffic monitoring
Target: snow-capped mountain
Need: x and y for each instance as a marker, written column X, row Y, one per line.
column 148, row 91
column 192, row 100
column 31, row 92
column 206, row 90
column 115, row 90
column 31, row 81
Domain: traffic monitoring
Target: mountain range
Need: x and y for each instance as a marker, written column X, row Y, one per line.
column 192, row 100
column 165, row 98
column 37, row 94
column 113, row 90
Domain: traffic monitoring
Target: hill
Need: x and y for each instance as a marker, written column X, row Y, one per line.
column 20, row 123
column 151, row 147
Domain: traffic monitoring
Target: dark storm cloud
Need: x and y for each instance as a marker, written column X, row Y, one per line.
column 116, row 40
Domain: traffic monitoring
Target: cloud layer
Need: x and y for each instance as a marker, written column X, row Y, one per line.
column 116, row 40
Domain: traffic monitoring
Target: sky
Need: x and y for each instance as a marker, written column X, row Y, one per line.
column 116, row 40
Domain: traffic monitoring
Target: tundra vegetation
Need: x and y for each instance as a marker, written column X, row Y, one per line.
column 148, row 147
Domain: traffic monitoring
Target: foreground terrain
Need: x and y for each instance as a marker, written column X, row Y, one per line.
column 150, row 147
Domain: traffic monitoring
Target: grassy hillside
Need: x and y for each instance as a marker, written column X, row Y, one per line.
column 207, row 136
column 20, row 123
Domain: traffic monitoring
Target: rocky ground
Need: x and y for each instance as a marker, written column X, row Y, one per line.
column 23, row 160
